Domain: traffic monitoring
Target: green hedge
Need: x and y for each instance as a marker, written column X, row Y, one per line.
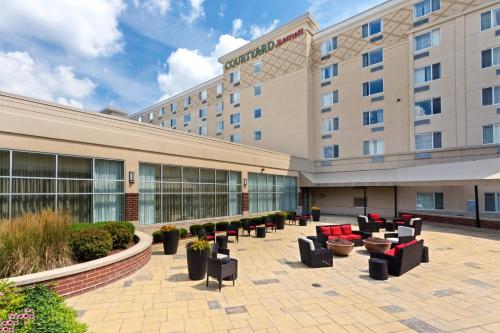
column 157, row 236
column 79, row 226
column 193, row 229
column 221, row 226
column 236, row 223
column 120, row 234
column 182, row 233
column 89, row 244
column 209, row 227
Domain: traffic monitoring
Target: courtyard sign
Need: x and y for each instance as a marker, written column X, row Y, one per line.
column 264, row 48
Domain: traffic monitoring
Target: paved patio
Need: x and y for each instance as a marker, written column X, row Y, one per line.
column 459, row 290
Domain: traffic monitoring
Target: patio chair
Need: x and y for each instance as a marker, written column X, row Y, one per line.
column 221, row 269
column 366, row 226
column 232, row 230
column 375, row 218
column 218, row 252
column 403, row 257
column 247, row 226
column 313, row 256
column 404, row 235
column 203, row 234
column 270, row 223
column 416, row 223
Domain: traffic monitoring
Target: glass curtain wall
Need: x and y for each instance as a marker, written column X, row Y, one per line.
column 271, row 193
column 89, row 189
column 169, row 193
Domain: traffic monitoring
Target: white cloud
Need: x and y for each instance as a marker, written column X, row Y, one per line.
column 222, row 10
column 88, row 28
column 323, row 9
column 163, row 6
column 21, row 74
column 256, row 31
column 196, row 11
column 237, row 25
column 187, row 68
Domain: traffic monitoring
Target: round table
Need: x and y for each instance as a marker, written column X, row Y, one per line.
column 302, row 221
column 260, row 232
column 376, row 245
column 222, row 241
column 340, row 249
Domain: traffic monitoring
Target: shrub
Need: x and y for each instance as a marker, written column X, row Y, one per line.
column 221, row 226
column 157, row 236
column 193, row 229
column 236, row 223
column 34, row 242
column 182, row 233
column 120, row 234
column 51, row 313
column 80, row 226
column 209, row 227
column 10, row 299
column 91, row 243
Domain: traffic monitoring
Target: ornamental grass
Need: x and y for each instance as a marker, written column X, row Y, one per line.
column 34, row 242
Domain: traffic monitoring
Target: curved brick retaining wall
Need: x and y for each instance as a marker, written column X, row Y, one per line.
column 81, row 278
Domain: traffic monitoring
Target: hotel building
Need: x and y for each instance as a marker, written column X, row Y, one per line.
column 395, row 109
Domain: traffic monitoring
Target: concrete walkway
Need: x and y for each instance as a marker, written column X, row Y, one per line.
column 459, row 290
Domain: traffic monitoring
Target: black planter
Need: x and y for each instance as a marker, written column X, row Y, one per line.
column 316, row 214
column 280, row 222
column 170, row 241
column 197, row 264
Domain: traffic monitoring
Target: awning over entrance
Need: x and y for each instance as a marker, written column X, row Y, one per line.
column 458, row 173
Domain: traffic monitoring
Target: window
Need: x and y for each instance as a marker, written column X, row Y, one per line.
column 219, row 107
column 425, row 7
column 329, row 71
column 173, row 123
column 329, row 45
column 235, row 138
column 491, row 134
column 330, row 98
column 203, row 95
column 492, row 202
column 162, row 124
column 426, row 141
column 490, row 57
column 268, row 193
column 234, row 98
column 162, row 112
column 257, row 67
column 257, row 90
column 329, row 125
column 257, row 135
column 140, row 119
column 202, row 113
column 151, row 116
column 373, row 117
column 372, row 28
column 427, row 73
column 187, row 117
column 373, row 87
column 219, row 89
column 373, row 147
column 187, row 101
column 257, row 113
column 490, row 19
column 373, row 57
column 330, row 152
column 428, row 107
column 427, row 40
column 491, row 96
column 234, row 77
column 430, row 201
column 219, row 126
column 173, row 107
column 202, row 130
column 234, row 119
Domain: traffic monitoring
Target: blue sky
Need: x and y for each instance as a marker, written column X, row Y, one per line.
column 132, row 53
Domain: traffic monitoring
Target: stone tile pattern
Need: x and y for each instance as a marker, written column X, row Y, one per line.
column 131, row 206
column 170, row 302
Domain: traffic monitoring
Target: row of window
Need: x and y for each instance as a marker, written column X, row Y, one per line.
column 435, row 201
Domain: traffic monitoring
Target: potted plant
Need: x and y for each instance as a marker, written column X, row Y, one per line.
column 170, row 237
column 197, row 253
column 316, row 212
column 279, row 219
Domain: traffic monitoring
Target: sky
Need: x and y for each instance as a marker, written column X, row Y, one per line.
column 130, row 54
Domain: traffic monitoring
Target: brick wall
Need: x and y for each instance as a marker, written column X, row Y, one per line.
column 131, row 206
column 245, row 205
column 82, row 282
column 458, row 220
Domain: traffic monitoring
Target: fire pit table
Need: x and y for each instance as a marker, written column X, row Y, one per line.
column 376, row 245
column 340, row 247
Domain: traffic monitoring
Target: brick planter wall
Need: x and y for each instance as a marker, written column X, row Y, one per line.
column 131, row 206
column 458, row 220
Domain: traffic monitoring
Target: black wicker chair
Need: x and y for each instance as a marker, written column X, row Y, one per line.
column 247, row 226
column 203, row 234
column 406, row 259
column 270, row 223
column 232, row 230
column 221, row 269
column 218, row 252
column 367, row 226
column 319, row 257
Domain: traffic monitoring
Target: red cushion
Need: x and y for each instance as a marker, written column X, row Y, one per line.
column 336, row 230
column 374, row 216
column 350, row 237
column 270, row 224
column 378, row 221
column 391, row 252
column 406, row 217
column 251, row 227
column 209, row 237
column 400, row 223
column 325, row 231
column 232, row 232
column 346, row 229
column 401, row 246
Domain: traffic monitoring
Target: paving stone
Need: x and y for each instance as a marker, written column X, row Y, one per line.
column 280, row 272
column 420, row 326
column 479, row 283
column 178, row 267
column 446, row 292
column 213, row 305
column 330, row 293
column 236, row 309
column 80, row 313
column 265, row 281
column 128, row 283
column 472, row 264
column 179, row 256
column 393, row 289
column 392, row 308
